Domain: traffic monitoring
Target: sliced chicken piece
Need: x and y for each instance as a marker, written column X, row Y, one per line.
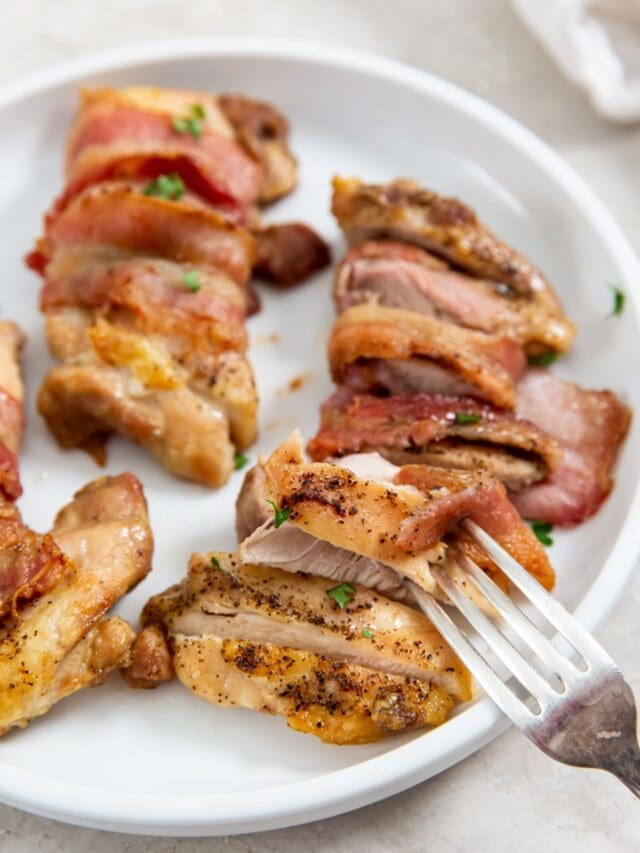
column 396, row 351
column 399, row 275
column 61, row 641
column 121, row 215
column 150, row 662
column 202, row 308
column 289, row 253
column 368, row 521
column 139, row 132
column 83, row 403
column 11, row 409
column 447, row 431
column 404, row 211
column 256, row 637
column 264, row 132
column 590, row 427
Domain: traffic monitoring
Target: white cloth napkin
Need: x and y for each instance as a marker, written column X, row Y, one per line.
column 597, row 45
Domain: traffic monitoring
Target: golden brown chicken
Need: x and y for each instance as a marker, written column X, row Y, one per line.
column 475, row 279
column 346, row 665
column 393, row 351
column 11, row 409
column 362, row 519
column 56, row 636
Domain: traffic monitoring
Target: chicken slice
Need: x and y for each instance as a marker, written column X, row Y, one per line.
column 62, row 640
column 257, row 637
column 434, row 429
column 11, row 409
column 399, row 275
column 376, row 524
column 373, row 348
column 404, row 211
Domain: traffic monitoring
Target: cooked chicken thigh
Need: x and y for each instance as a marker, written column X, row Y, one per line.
column 57, row 638
column 364, row 520
column 507, row 294
column 393, row 351
column 257, row 637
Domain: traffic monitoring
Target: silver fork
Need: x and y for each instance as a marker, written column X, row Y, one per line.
column 584, row 716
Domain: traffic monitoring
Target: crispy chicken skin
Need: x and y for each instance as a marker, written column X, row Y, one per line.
column 435, row 429
column 399, row 275
column 11, row 409
column 364, row 520
column 61, row 639
column 397, row 351
column 404, row 211
column 257, row 637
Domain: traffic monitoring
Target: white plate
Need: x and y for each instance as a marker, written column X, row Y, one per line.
column 162, row 761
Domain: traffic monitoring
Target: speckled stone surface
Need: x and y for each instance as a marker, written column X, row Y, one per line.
column 507, row 797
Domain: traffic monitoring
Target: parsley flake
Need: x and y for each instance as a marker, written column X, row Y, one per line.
column 543, row 360
column 281, row 515
column 542, row 529
column 619, row 297
column 191, row 281
column 192, row 123
column 214, row 562
column 239, row 460
column 342, row 594
column 166, row 186
column 466, row 418
column 367, row 632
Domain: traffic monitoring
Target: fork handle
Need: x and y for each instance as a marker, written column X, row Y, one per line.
column 628, row 772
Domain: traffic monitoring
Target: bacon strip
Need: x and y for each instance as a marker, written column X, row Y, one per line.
column 130, row 134
column 30, row 564
column 398, row 351
column 590, row 426
column 425, row 428
column 153, row 293
column 462, row 494
column 122, row 216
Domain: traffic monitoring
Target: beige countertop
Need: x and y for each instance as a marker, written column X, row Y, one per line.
column 507, row 797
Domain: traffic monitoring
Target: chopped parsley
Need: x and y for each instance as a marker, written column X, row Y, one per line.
column 239, row 461
column 543, row 360
column 466, row 418
column 342, row 594
column 281, row 515
column 166, row 186
column 542, row 529
column 214, row 562
column 619, row 297
column 367, row 632
column 191, row 123
column 191, row 280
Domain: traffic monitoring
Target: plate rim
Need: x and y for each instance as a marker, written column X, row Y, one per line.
column 406, row 765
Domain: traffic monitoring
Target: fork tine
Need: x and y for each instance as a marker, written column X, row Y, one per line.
column 525, row 629
column 504, row 698
column 550, row 608
column 498, row 643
